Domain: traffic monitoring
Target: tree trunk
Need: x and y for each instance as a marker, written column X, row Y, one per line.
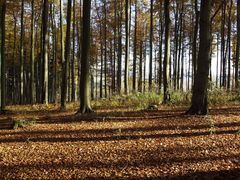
column 67, row 57
column 73, row 54
column 161, row 31
column 119, row 63
column 2, row 57
column 166, row 97
column 45, row 39
column 199, row 98
column 22, row 54
column 85, row 106
column 105, row 49
column 151, row 47
column 32, row 87
column 195, row 37
column 237, row 47
column 229, row 45
column 126, row 73
column 135, row 47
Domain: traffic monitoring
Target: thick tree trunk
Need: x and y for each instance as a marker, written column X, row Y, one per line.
column 85, row 106
column 199, row 98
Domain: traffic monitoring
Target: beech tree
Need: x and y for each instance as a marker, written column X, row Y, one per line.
column 45, row 39
column 65, row 63
column 166, row 97
column 200, row 97
column 2, row 56
column 85, row 105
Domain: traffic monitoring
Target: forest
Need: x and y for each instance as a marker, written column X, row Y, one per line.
column 119, row 89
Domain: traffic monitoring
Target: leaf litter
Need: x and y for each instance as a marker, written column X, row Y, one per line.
column 159, row 144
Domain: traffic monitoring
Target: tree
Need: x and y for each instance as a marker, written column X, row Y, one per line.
column 22, row 55
column 32, row 90
column 65, row 63
column 2, row 56
column 127, row 25
column 45, row 39
column 199, row 98
column 151, row 46
column 166, row 60
column 85, row 106
column 238, row 46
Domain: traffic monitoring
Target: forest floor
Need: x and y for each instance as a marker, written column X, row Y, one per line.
column 119, row 143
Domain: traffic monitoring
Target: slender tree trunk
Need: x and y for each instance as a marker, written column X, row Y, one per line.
column 223, row 57
column 127, row 24
column 229, row 45
column 63, row 97
column 67, row 57
column 140, row 67
column 73, row 53
column 151, row 47
column 22, row 54
column 14, row 81
column 161, row 31
column 45, row 39
column 237, row 47
column 115, row 45
column 105, row 49
column 2, row 57
column 166, row 98
column 32, row 90
column 135, row 47
column 119, row 64
column 101, row 70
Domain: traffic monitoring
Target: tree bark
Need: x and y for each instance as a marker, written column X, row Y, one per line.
column 237, row 47
column 166, row 97
column 32, row 90
column 199, row 98
column 45, row 39
column 2, row 57
column 126, row 73
column 85, row 106
column 67, row 57
column 151, row 47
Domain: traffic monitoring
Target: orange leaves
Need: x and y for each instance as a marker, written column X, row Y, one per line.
column 137, row 144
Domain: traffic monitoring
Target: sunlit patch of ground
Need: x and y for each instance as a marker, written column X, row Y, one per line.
column 162, row 143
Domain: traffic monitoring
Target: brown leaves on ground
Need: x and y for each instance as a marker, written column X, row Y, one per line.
column 121, row 144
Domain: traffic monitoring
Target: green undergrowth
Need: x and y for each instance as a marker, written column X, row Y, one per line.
column 139, row 101
column 22, row 123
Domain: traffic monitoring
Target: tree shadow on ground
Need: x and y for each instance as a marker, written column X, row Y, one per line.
column 151, row 159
